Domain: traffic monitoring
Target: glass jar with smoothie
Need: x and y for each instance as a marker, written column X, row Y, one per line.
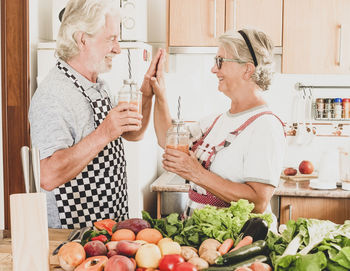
column 177, row 136
column 129, row 93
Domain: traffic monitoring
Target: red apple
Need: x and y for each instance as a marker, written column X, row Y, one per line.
column 95, row 248
column 306, row 167
column 290, row 171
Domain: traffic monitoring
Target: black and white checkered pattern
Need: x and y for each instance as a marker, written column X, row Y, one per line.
column 100, row 190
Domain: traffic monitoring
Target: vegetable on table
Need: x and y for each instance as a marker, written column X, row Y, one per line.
column 209, row 244
column 225, row 246
column 148, row 256
column 247, row 240
column 208, row 222
column 210, row 256
column 255, row 227
column 71, row 255
column 243, row 253
column 101, row 238
column 245, row 263
column 299, row 246
column 199, row 263
column 168, row 262
column 188, row 252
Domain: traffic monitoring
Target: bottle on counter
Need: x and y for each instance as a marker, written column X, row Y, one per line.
column 177, row 136
column 129, row 93
column 346, row 108
column 319, row 108
column 328, row 108
column 337, row 108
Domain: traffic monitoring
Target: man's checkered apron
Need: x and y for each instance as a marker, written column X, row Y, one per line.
column 205, row 154
column 100, row 190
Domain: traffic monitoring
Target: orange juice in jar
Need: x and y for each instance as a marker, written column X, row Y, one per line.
column 129, row 93
column 136, row 96
column 178, row 137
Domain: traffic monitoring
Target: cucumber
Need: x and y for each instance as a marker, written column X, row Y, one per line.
column 243, row 253
column 246, row 263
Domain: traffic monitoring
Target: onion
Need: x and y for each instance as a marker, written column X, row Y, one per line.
column 71, row 255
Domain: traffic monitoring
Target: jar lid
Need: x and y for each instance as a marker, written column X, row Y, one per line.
column 337, row 100
column 328, row 100
column 177, row 121
column 319, row 100
column 127, row 81
column 346, row 100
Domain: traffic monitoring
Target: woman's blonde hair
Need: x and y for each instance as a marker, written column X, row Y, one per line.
column 235, row 45
column 81, row 15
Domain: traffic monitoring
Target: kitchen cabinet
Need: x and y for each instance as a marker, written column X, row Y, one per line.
column 265, row 15
column 200, row 22
column 316, row 37
column 195, row 22
column 333, row 209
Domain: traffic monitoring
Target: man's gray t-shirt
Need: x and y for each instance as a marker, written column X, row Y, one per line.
column 60, row 116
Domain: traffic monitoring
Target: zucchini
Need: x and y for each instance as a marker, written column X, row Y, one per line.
column 243, row 253
column 246, row 263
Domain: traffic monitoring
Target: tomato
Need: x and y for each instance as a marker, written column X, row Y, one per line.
column 105, row 224
column 184, row 267
column 101, row 238
column 168, row 262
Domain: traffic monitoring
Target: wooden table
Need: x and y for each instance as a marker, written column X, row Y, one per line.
column 56, row 236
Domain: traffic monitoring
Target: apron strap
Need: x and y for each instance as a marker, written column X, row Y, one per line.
column 74, row 79
column 209, row 198
column 200, row 141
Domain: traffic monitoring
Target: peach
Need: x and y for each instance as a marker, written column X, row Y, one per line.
column 127, row 248
column 119, row 263
column 112, row 245
column 112, row 253
column 95, row 248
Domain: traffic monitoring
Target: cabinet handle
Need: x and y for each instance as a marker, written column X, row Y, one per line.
column 234, row 14
column 214, row 19
column 290, row 211
column 339, row 48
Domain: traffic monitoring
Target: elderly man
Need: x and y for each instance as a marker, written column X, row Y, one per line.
column 75, row 126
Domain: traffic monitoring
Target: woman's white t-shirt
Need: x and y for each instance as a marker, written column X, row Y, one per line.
column 255, row 155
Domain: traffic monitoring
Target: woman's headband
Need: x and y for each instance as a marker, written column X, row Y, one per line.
column 247, row 41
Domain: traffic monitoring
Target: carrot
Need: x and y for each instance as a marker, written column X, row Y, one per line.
column 247, row 240
column 225, row 246
column 258, row 266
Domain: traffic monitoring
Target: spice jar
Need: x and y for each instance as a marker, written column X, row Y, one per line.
column 129, row 93
column 177, row 136
column 328, row 108
column 346, row 108
column 337, row 108
column 319, row 108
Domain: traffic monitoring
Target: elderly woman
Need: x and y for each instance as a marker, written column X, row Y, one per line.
column 239, row 153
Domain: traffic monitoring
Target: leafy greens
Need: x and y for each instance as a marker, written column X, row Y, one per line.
column 209, row 222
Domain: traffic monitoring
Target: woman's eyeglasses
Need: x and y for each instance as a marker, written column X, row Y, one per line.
column 219, row 60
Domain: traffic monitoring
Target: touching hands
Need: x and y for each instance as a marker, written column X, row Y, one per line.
column 183, row 164
column 122, row 118
column 156, row 64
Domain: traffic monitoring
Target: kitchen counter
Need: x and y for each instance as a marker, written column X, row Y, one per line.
column 56, row 236
column 170, row 182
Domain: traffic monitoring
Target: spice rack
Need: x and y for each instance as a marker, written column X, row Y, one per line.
column 327, row 109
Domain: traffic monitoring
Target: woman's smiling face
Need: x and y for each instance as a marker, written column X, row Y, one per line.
column 230, row 74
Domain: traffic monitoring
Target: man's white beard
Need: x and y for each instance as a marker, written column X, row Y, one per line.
column 104, row 66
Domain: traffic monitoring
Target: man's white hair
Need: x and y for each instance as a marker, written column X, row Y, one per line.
column 86, row 16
